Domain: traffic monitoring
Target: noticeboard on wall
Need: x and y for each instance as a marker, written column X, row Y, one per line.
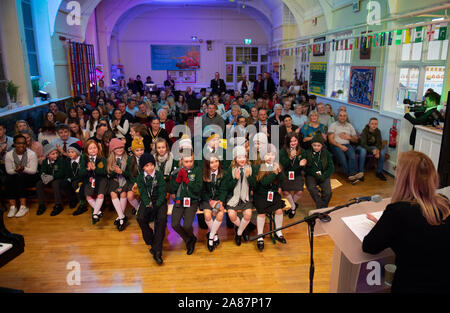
column 181, row 77
column 318, row 78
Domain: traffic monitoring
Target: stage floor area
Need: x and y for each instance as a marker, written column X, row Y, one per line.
column 113, row 261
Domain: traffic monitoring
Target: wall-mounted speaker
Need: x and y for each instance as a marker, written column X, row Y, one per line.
column 209, row 45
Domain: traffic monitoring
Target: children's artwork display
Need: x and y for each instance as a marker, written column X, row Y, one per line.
column 175, row 57
column 362, row 82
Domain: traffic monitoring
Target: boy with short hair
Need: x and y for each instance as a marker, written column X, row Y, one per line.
column 73, row 183
column 51, row 173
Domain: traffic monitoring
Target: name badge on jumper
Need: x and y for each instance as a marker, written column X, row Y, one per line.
column 186, row 202
column 291, row 175
column 270, row 196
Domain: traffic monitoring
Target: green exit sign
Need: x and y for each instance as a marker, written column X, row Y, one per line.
column 247, row 41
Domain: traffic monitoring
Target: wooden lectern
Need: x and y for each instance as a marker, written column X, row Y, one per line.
column 348, row 255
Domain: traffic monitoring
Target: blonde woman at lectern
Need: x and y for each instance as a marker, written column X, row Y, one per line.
column 416, row 226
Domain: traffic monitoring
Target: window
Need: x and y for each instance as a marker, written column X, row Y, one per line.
column 3, row 82
column 421, row 66
column 339, row 69
column 248, row 60
column 30, row 38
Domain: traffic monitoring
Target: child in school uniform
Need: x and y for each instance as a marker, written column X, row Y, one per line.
column 51, row 173
column 138, row 149
column 293, row 161
column 213, row 198
column 186, row 187
column 240, row 182
column 267, row 198
column 118, row 180
column 153, row 207
column 73, row 184
column 93, row 171
column 165, row 162
column 319, row 168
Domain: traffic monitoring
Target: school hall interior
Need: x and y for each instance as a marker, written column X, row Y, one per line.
column 124, row 74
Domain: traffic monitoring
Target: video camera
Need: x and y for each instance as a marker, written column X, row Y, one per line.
column 415, row 106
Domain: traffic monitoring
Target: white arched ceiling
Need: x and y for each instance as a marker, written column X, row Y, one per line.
column 132, row 13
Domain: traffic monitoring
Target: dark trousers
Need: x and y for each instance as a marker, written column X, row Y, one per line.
column 56, row 187
column 68, row 190
column 322, row 200
column 152, row 237
column 186, row 231
column 17, row 184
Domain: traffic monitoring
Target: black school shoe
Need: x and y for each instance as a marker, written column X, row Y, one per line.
column 73, row 204
column 56, row 210
column 191, row 246
column 209, row 243
column 41, row 209
column 237, row 238
column 158, row 258
column 216, row 240
column 381, row 176
column 280, row 238
column 260, row 245
column 81, row 209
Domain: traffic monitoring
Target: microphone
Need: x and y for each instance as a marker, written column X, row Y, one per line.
column 374, row 198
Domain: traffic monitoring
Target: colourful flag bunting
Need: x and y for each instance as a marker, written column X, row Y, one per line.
column 442, row 32
column 418, row 35
column 398, row 37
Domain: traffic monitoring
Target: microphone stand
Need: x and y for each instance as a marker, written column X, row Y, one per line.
column 311, row 221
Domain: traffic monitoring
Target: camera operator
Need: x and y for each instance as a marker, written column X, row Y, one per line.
column 426, row 114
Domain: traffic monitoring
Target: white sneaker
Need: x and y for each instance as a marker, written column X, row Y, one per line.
column 22, row 211
column 12, row 211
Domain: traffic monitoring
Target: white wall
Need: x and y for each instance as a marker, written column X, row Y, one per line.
column 176, row 26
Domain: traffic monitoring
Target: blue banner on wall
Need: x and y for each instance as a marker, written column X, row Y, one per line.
column 171, row 57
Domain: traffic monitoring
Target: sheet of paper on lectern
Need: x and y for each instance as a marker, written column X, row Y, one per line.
column 360, row 225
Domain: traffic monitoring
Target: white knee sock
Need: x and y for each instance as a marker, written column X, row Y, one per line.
column 279, row 223
column 291, row 201
column 123, row 204
column 209, row 223
column 260, row 221
column 117, row 206
column 244, row 224
column 296, row 198
column 135, row 204
column 91, row 203
column 237, row 222
column 214, row 228
column 98, row 205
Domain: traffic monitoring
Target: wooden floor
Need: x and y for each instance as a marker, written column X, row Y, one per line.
column 113, row 261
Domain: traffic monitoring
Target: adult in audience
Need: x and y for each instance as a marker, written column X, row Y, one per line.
column 330, row 112
column 138, row 131
column 213, row 118
column 244, row 85
column 312, row 103
column 49, row 116
column 340, row 135
column 21, row 166
column 263, row 125
column 276, row 118
column 253, row 118
column 371, row 142
column 100, row 130
column 156, row 131
column 119, row 125
column 6, row 144
column 169, row 83
column 258, row 87
column 71, row 113
column 144, row 116
column 287, row 128
column 60, row 117
column 190, row 95
column 91, row 124
column 82, row 116
column 76, row 131
column 139, row 85
column 166, row 123
column 217, row 85
column 220, row 106
column 22, row 125
column 311, row 128
column 298, row 118
column 48, row 133
column 154, row 103
column 268, row 84
column 324, row 118
column 416, row 226
column 282, row 88
column 126, row 115
column 33, row 145
column 132, row 108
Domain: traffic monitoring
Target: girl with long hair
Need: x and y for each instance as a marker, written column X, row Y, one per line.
column 293, row 161
column 416, row 226
column 267, row 198
column 76, row 131
column 165, row 162
column 119, row 125
column 93, row 171
column 91, row 124
column 213, row 198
